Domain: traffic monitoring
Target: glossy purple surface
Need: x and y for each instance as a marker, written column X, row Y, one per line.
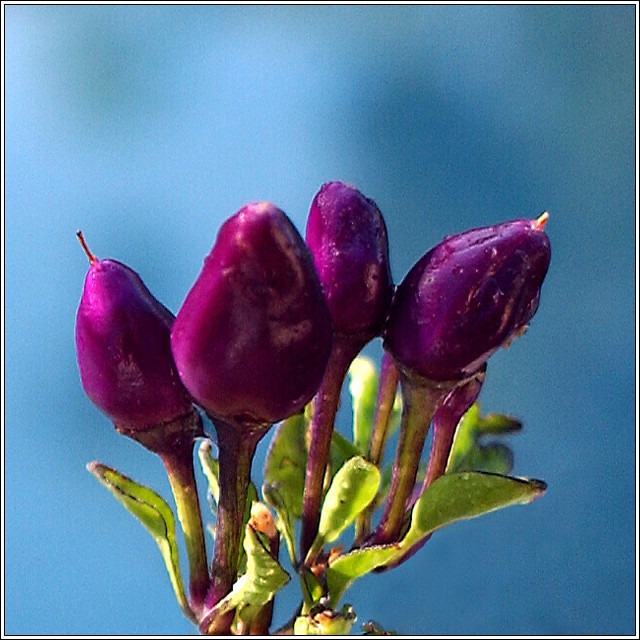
column 348, row 239
column 253, row 336
column 466, row 297
column 123, row 349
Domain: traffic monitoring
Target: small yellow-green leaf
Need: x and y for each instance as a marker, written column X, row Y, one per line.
column 325, row 623
column 263, row 578
column 156, row 516
column 284, row 523
column 312, row 589
column 347, row 568
column 252, row 496
column 353, row 487
column 211, row 470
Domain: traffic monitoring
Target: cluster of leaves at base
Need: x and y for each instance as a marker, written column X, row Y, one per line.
column 475, row 483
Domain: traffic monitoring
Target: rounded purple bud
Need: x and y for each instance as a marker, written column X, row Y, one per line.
column 348, row 239
column 466, row 297
column 253, row 336
column 124, row 351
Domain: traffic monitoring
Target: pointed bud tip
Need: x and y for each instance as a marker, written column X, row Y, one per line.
column 90, row 255
column 541, row 221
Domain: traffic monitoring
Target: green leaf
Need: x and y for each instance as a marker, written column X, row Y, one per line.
column 155, row 514
column 252, row 496
column 284, row 523
column 286, row 463
column 363, row 386
column 467, row 451
column 347, row 568
column 341, row 449
column 263, row 578
column 312, row 589
column 452, row 497
column 325, row 623
column 211, row 470
column 353, row 487
column 284, row 474
column 461, row 496
column 491, row 458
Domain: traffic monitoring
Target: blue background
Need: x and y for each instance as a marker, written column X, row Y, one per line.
column 147, row 126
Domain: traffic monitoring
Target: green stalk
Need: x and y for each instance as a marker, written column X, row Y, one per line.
column 179, row 466
column 173, row 441
column 420, row 402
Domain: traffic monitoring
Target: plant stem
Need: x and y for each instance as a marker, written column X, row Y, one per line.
column 173, row 441
column 325, row 406
column 387, row 385
column 179, row 466
column 236, row 446
column 420, row 402
column 445, row 422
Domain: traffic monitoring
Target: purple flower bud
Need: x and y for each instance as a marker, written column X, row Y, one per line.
column 123, row 349
column 348, row 239
column 466, row 297
column 253, row 336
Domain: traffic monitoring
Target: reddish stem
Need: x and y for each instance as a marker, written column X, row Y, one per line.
column 236, row 446
column 445, row 422
column 387, row 387
column 325, row 406
column 421, row 401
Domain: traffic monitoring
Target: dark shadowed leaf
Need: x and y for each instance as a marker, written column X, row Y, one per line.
column 470, row 453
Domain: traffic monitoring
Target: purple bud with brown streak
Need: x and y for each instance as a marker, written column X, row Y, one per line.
column 466, row 297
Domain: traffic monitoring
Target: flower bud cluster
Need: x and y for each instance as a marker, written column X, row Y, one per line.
column 253, row 336
column 273, row 321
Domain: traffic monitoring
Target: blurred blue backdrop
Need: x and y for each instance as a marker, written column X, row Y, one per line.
column 147, row 126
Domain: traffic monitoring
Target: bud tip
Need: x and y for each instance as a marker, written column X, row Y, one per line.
column 94, row 467
column 90, row 255
column 541, row 221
